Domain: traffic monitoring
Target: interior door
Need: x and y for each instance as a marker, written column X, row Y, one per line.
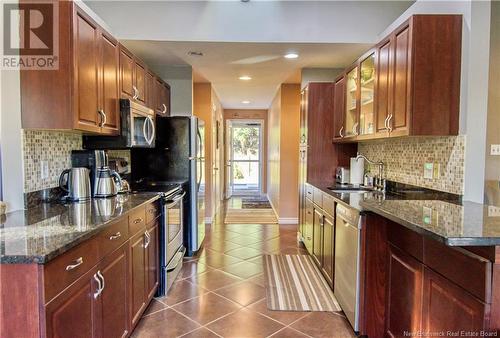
column 229, row 159
column 201, row 180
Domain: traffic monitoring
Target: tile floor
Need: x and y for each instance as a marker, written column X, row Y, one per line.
column 220, row 293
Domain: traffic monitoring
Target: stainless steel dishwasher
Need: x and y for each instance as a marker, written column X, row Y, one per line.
column 347, row 246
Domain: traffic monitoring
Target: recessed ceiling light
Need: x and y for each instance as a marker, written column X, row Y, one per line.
column 291, row 56
column 245, row 78
column 195, row 53
column 245, row 102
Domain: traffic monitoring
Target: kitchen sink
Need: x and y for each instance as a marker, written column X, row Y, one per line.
column 349, row 191
column 349, row 188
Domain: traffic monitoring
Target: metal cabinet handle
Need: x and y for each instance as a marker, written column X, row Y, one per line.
column 136, row 92
column 115, row 236
column 99, row 286
column 77, row 263
column 164, row 108
column 389, row 123
column 102, row 279
column 385, row 122
column 104, row 118
column 152, row 129
column 137, row 220
column 147, row 239
column 340, row 132
column 355, row 128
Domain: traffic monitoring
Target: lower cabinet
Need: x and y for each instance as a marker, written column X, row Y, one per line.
column 317, row 250
column 138, row 256
column 152, row 267
column 328, row 248
column 308, row 226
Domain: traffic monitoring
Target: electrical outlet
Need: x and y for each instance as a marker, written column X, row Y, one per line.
column 437, row 168
column 493, row 211
column 495, row 150
column 44, row 170
column 428, row 170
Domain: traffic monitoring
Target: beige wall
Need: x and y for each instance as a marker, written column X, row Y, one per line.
column 249, row 114
column 284, row 124
column 207, row 107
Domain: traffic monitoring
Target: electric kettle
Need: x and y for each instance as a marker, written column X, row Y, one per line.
column 76, row 182
column 107, row 183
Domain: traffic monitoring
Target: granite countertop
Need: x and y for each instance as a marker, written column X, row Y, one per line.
column 40, row 234
column 465, row 224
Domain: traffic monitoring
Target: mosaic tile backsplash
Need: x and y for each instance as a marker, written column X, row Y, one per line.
column 404, row 160
column 52, row 146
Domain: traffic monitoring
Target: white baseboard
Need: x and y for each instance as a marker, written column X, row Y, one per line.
column 288, row 220
column 272, row 205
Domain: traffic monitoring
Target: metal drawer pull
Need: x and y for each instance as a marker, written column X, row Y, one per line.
column 115, row 236
column 147, row 239
column 78, row 262
column 388, row 123
column 102, row 278
column 136, row 92
column 340, row 131
column 164, row 109
column 385, row 122
column 99, row 285
column 137, row 220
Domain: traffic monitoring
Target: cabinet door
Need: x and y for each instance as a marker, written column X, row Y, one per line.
column 126, row 73
column 140, row 81
column 351, row 109
column 137, row 277
column 400, row 113
column 303, row 117
column 87, row 61
column 159, row 100
column 308, row 229
column 338, row 108
column 150, row 91
column 404, row 293
column 114, row 296
column 110, row 91
column 448, row 307
column 328, row 248
column 166, row 99
column 152, row 269
column 72, row 313
column 367, row 90
column 383, row 94
column 318, row 222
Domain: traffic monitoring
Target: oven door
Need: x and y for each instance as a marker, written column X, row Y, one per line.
column 173, row 226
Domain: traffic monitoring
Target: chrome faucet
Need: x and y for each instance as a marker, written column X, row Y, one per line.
column 379, row 183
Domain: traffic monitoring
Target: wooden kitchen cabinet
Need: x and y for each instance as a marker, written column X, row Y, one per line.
column 152, row 266
column 163, row 98
column 404, row 293
column 140, row 81
column 417, row 83
column 126, row 73
column 308, row 226
column 73, row 312
column 317, row 247
column 150, row 90
column 138, row 263
column 328, row 253
column 82, row 94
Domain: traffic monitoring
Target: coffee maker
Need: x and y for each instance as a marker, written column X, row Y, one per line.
column 104, row 181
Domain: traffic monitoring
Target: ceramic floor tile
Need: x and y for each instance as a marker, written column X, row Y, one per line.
column 223, row 246
column 259, row 280
column 167, row 324
column 155, row 306
column 218, row 260
column 191, row 268
column 290, row 333
column 200, row 333
column 244, row 269
column 243, row 293
column 245, row 240
column 330, row 323
column 284, row 317
column 206, row 308
column 243, row 324
column 214, row 279
column 244, row 253
column 182, row 290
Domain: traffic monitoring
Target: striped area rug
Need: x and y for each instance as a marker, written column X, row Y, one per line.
column 250, row 216
column 294, row 283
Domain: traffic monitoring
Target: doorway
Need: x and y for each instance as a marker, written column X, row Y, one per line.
column 244, row 154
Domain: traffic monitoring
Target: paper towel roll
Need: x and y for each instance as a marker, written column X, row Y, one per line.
column 357, row 170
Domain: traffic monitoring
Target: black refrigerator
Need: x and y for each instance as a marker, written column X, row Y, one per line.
column 178, row 157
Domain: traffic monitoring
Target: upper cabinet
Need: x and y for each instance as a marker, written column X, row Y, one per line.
column 409, row 85
column 94, row 72
column 163, row 98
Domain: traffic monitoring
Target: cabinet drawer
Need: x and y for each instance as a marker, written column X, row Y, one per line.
column 67, row 268
column 137, row 220
column 405, row 239
column 152, row 211
column 318, row 197
column 328, row 204
column 111, row 238
column 309, row 191
column 471, row 272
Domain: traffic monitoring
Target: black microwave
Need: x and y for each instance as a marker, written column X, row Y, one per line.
column 137, row 129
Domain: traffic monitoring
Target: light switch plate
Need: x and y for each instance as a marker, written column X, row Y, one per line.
column 495, row 149
column 428, row 170
column 44, row 169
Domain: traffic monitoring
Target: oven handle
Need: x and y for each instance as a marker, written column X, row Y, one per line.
column 174, row 263
column 174, row 201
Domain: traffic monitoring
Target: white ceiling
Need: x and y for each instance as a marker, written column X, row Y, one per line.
column 250, row 38
column 224, row 62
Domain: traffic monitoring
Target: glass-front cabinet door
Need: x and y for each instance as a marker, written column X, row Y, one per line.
column 367, row 84
column 351, row 103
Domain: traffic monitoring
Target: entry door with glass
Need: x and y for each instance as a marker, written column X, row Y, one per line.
column 245, row 174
